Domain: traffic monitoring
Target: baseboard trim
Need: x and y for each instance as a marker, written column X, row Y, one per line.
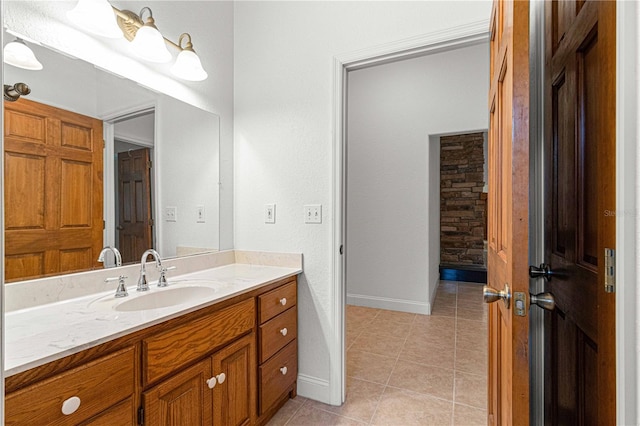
column 389, row 303
column 314, row 388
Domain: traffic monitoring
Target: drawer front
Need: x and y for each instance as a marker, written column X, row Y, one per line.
column 274, row 380
column 167, row 352
column 276, row 301
column 121, row 414
column 99, row 384
column 276, row 333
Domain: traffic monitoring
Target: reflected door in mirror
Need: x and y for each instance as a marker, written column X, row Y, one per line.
column 134, row 199
column 53, row 190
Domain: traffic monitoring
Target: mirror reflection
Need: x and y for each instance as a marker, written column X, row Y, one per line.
column 152, row 183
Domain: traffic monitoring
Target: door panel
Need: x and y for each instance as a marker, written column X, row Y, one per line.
column 134, row 197
column 508, row 211
column 580, row 79
column 53, row 190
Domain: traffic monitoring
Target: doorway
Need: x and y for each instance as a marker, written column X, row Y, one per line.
column 433, row 43
column 130, row 183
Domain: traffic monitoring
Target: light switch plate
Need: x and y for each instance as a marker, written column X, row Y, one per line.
column 171, row 214
column 313, row 213
column 200, row 214
column 269, row 213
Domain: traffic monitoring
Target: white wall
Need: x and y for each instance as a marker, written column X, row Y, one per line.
column 392, row 110
column 283, row 53
column 186, row 180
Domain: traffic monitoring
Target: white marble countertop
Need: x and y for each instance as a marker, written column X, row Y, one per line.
column 38, row 335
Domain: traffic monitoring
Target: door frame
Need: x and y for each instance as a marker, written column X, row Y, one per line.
column 109, row 235
column 457, row 37
column 628, row 219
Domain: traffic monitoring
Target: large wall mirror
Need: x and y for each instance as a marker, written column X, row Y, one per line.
column 154, row 183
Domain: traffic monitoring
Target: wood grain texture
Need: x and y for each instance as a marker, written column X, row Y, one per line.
column 234, row 400
column 99, row 385
column 508, row 390
column 123, row 413
column 184, row 399
column 269, row 304
column 167, row 351
column 53, row 189
column 270, row 336
column 580, row 382
column 273, row 383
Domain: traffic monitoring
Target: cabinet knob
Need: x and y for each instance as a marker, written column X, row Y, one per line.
column 69, row 406
column 284, row 331
column 283, row 370
column 283, row 301
column 221, row 378
column 211, row 382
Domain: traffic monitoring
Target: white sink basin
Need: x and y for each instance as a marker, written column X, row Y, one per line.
column 164, row 298
column 178, row 292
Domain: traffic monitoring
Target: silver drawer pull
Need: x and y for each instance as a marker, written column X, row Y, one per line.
column 284, row 331
column 283, row 370
column 283, row 301
column 71, row 405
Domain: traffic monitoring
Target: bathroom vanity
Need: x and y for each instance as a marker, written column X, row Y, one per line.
column 227, row 357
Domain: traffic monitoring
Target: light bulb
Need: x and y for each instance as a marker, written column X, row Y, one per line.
column 18, row 54
column 188, row 66
column 96, row 17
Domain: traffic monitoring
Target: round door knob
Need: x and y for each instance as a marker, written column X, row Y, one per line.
column 544, row 300
column 69, row 406
column 491, row 295
column 283, row 370
column 221, row 378
column 284, row 331
column 212, row 382
column 120, row 227
column 283, row 301
column 542, row 271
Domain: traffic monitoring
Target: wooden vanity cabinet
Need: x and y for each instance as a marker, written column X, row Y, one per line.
column 82, row 392
column 234, row 365
column 278, row 346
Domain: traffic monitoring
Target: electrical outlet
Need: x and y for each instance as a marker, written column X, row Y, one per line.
column 313, row 213
column 200, row 214
column 269, row 213
column 171, row 214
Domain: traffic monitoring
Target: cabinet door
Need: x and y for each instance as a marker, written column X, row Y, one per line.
column 234, row 394
column 184, row 399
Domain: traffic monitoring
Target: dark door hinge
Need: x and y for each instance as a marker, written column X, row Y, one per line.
column 141, row 415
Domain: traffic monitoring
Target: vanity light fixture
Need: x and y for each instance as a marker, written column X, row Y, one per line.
column 188, row 65
column 96, row 17
column 18, row 54
column 146, row 40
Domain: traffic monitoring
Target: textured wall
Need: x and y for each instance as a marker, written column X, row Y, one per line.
column 463, row 205
column 284, row 52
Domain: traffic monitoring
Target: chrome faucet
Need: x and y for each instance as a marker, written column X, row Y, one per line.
column 143, row 285
column 115, row 252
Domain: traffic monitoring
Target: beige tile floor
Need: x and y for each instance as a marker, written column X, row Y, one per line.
column 407, row 369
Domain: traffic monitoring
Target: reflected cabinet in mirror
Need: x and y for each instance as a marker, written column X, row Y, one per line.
column 94, row 160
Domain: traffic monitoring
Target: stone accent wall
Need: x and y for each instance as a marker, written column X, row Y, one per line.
column 463, row 217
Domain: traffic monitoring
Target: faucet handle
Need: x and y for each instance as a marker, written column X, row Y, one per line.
column 162, row 281
column 122, row 288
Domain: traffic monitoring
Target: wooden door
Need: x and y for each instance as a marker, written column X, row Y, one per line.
column 234, row 398
column 182, row 400
column 134, row 201
column 580, row 188
column 508, row 393
column 53, row 190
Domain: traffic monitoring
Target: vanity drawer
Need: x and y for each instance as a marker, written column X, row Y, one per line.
column 167, row 352
column 277, row 375
column 276, row 301
column 277, row 332
column 98, row 385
